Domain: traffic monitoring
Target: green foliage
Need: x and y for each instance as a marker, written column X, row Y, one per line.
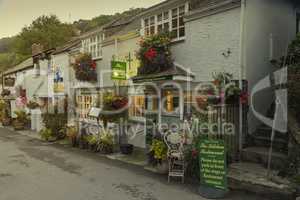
column 155, row 54
column 48, row 31
column 46, row 134
column 105, row 144
column 158, row 152
column 85, row 68
column 21, row 116
column 56, row 123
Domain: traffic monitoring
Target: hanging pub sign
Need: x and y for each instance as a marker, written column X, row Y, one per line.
column 213, row 168
column 58, row 80
column 119, row 70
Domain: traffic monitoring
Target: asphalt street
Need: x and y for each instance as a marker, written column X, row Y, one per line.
column 33, row 170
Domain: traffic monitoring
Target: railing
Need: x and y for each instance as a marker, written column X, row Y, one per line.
column 225, row 122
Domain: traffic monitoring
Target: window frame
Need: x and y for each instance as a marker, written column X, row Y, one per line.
column 146, row 25
column 93, row 46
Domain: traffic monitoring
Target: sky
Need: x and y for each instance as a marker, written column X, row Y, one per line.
column 15, row 14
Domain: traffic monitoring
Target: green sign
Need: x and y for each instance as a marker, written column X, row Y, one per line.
column 119, row 70
column 213, row 169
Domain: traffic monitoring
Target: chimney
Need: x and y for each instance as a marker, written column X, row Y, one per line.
column 36, row 49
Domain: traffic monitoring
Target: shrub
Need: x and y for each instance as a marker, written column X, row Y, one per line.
column 46, row 134
column 158, row 152
column 56, row 123
column 105, row 144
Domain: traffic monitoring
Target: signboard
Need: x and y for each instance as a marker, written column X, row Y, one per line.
column 58, row 86
column 118, row 70
column 213, row 170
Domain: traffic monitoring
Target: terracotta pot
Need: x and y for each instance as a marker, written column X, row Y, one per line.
column 19, row 125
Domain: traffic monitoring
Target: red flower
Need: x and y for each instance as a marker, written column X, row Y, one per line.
column 194, row 153
column 151, row 53
column 93, row 65
column 244, row 98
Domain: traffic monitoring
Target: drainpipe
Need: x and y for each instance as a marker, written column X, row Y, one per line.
column 242, row 69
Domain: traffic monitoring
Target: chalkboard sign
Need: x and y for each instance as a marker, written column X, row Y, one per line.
column 213, row 168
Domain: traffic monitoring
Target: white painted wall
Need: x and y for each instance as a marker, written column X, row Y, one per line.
column 206, row 39
column 62, row 61
column 263, row 19
column 120, row 51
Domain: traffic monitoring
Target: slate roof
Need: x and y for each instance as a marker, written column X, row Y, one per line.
column 72, row 44
column 22, row 66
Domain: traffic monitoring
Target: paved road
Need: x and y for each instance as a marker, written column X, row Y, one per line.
column 32, row 170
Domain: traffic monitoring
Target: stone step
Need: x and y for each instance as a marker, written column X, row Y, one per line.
column 252, row 178
column 259, row 155
column 266, row 131
column 279, row 144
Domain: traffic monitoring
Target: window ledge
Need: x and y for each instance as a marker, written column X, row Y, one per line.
column 178, row 40
column 97, row 58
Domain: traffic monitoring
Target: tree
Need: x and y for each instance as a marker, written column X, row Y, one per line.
column 48, row 31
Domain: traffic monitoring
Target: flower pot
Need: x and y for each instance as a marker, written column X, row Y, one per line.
column 162, row 168
column 126, row 149
column 18, row 126
column 6, row 121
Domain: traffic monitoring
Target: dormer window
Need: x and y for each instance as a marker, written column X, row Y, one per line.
column 171, row 21
column 93, row 46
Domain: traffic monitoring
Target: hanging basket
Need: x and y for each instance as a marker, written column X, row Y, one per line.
column 85, row 68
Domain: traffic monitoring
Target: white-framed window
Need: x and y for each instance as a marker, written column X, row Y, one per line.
column 84, row 104
column 137, row 106
column 93, row 46
column 168, row 21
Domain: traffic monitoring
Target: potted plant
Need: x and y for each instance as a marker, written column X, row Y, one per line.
column 106, row 143
column 72, row 134
column 158, row 155
column 5, row 119
column 46, row 134
column 9, row 82
column 232, row 94
column 155, row 54
column 5, row 93
column 93, row 141
column 32, row 105
column 85, row 68
column 21, row 120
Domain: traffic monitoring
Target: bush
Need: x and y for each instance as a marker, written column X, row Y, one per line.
column 56, row 123
column 46, row 134
column 106, row 143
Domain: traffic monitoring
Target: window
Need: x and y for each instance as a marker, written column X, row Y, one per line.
column 84, row 104
column 168, row 21
column 93, row 45
column 171, row 102
column 137, row 106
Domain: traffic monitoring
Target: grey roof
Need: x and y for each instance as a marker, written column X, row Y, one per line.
column 68, row 46
column 22, row 66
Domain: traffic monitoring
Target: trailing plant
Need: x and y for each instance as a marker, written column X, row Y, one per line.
column 232, row 94
column 221, row 78
column 46, row 134
column 85, row 68
column 155, row 54
column 158, row 152
column 114, row 103
column 5, row 92
column 32, row 105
